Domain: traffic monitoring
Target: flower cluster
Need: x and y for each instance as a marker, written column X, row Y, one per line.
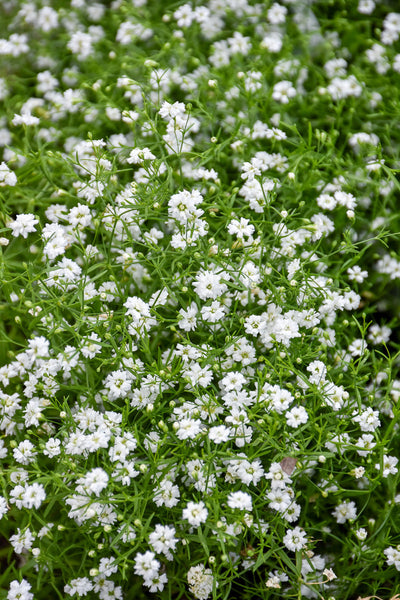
column 199, row 390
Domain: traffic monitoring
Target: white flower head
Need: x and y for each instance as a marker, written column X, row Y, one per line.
column 196, row 513
column 7, row 177
column 240, row 500
column 295, row 539
column 23, row 224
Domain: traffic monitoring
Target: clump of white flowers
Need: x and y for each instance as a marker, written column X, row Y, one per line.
column 7, row 177
column 199, row 390
column 201, row 582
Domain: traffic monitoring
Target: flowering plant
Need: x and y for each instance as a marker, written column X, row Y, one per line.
column 198, row 393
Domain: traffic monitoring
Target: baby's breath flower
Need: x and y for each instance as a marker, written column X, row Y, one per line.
column 23, row 224
column 199, row 347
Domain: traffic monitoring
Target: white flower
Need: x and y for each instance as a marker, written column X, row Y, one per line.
column 379, row 334
column 292, row 513
column 280, row 499
column 366, row 443
column 340, row 88
column 361, row 534
column 167, row 494
column 213, row 313
column 240, row 500
column 357, row 347
column 326, row 202
column 24, row 453
column 197, row 375
column 277, row 14
column 155, row 582
column 195, row 513
column 163, row 540
column 208, row 285
column 138, row 155
column 7, row 177
column 345, row 199
column 366, row 7
column 219, row 434
column 125, row 471
column 345, row 511
column 3, row 507
column 356, row 274
column 329, row 574
column 184, row 16
column 249, row 274
column 80, row 586
column 19, row 591
column 34, row 495
column 80, row 216
column 25, row 119
column 93, row 482
column 352, row 302
column 233, row 381
column 279, row 479
column 241, row 229
column 91, row 346
column 118, row 383
column 201, row 582
column 393, row 557
column 108, row 566
column 280, row 398
column 322, row 225
column 146, row 564
column 388, row 465
column 23, row 224
column 188, row 428
column 172, row 111
column 368, row 420
column 272, row 42
column 80, row 44
column 296, row 416
column 17, row 496
column 188, row 319
column 283, row 91
column 284, row 329
column 21, row 541
column 295, row 539
column 292, row 268
column 273, row 582
column 358, row 472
